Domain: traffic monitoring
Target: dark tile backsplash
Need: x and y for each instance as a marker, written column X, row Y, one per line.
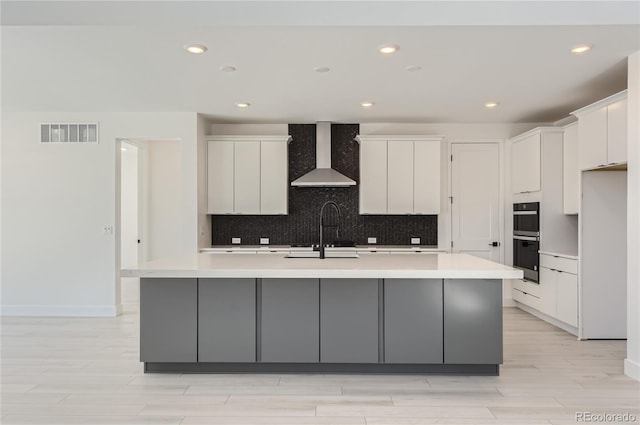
column 301, row 225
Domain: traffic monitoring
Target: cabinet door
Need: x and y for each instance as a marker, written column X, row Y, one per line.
column 548, row 291
column 570, row 171
column 373, row 177
column 349, row 320
column 592, row 134
column 290, row 320
column 426, row 177
column 226, row 320
column 567, row 296
column 168, row 320
column 617, row 132
column 247, row 177
column 413, row 321
column 400, row 177
column 472, row 321
column 274, row 188
column 220, row 177
column 525, row 165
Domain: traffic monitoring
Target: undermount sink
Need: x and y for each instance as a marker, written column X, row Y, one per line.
column 327, row 254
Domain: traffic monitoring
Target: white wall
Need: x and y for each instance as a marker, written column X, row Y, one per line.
column 632, row 362
column 163, row 188
column 56, row 201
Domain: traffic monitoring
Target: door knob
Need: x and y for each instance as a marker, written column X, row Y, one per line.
column 494, row 244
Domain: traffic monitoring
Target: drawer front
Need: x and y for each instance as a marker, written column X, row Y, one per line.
column 526, row 299
column 566, row 265
column 527, row 287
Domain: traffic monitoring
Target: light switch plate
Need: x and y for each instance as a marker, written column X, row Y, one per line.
column 236, row 240
column 264, row 241
column 415, row 241
column 372, row 240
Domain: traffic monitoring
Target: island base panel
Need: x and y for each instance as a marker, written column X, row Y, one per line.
column 347, row 368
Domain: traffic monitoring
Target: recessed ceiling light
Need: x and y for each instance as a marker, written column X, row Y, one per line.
column 322, row 69
column 413, row 68
column 196, row 49
column 227, row 68
column 243, row 104
column 367, row 104
column 581, row 49
column 491, row 105
column 388, row 49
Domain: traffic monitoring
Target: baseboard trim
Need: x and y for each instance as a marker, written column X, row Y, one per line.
column 632, row 369
column 62, row 310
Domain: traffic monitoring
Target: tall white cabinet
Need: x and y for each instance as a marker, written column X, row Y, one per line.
column 537, row 175
column 602, row 146
column 247, row 175
column 400, row 174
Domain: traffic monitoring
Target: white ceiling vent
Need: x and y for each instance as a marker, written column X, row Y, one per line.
column 69, row 133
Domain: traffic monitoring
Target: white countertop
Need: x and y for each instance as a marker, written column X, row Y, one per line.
column 436, row 265
column 239, row 248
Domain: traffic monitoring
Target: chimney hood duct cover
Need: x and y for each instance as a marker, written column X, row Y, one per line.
column 323, row 175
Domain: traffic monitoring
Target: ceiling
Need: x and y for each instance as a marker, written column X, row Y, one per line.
column 95, row 58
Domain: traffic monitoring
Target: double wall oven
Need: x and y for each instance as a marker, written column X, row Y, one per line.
column 526, row 238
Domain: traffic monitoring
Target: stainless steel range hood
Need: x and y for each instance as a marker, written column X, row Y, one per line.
column 323, row 175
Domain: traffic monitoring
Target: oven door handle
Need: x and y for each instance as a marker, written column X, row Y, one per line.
column 526, row 238
column 525, row 213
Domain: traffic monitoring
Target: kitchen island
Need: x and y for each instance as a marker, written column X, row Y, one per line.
column 429, row 313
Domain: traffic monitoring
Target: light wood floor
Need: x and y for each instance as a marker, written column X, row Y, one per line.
column 86, row 371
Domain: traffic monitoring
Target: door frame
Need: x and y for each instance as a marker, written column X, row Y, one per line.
column 501, row 188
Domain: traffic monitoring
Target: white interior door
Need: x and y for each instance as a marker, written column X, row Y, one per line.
column 129, row 219
column 475, row 209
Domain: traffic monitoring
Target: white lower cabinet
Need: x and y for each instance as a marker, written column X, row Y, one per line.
column 559, row 288
column 567, row 298
column 527, row 293
column 548, row 297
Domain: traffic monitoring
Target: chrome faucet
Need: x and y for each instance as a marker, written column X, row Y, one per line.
column 322, row 225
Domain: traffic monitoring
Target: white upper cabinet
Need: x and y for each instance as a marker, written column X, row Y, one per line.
column 274, row 175
column 525, row 163
column 426, row 170
column 246, row 162
column 400, row 174
column 602, row 132
column 400, row 177
column 220, row 176
column 617, row 132
column 247, row 175
column 373, row 177
column 570, row 170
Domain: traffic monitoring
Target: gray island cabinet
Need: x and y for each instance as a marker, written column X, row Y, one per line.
column 423, row 318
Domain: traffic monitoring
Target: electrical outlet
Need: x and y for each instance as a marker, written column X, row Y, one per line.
column 236, row 241
column 108, row 230
column 415, row 241
column 264, row 241
column 372, row 240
